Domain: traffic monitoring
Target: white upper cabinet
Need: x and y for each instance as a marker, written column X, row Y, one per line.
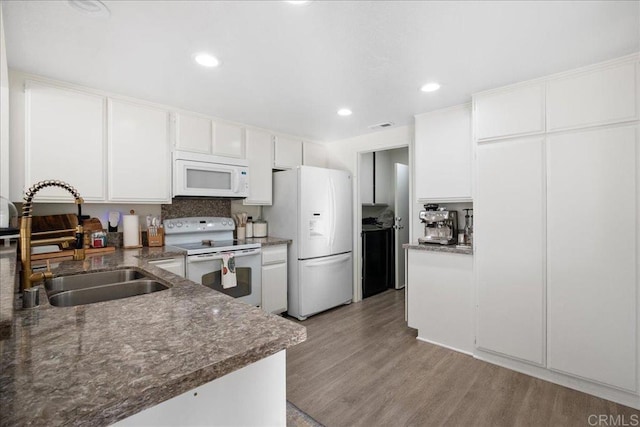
column 228, row 140
column 200, row 134
column 443, row 153
column 592, row 98
column 64, row 140
column 314, row 154
column 287, row 152
column 139, row 166
column 510, row 274
column 193, row 133
column 592, row 216
column 259, row 155
column 509, row 112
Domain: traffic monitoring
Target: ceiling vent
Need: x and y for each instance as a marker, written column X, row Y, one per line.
column 381, row 125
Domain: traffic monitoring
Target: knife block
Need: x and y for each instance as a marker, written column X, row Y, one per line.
column 157, row 238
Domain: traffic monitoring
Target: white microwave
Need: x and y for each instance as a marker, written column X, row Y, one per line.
column 209, row 176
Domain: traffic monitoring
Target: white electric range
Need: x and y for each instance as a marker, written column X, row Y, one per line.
column 205, row 239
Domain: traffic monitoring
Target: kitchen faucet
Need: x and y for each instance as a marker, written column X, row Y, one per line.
column 28, row 277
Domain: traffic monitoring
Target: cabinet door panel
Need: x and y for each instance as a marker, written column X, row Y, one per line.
column 592, row 255
column 139, row 168
column 443, row 154
column 274, row 288
column 287, row 153
column 193, row 133
column 314, row 155
column 596, row 97
column 510, row 270
column 228, row 140
column 259, row 155
column 510, row 112
column 440, row 302
column 365, row 176
column 65, row 140
column 383, row 188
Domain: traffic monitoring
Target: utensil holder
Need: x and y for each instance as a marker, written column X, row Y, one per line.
column 240, row 233
column 155, row 237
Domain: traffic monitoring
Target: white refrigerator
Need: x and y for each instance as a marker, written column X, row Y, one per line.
column 312, row 206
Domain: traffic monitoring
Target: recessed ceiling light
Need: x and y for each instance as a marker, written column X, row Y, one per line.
column 93, row 8
column 430, row 87
column 206, row 60
column 344, row 112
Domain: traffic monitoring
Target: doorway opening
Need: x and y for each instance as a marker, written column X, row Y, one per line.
column 384, row 199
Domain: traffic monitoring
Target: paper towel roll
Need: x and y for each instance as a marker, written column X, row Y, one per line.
column 131, row 230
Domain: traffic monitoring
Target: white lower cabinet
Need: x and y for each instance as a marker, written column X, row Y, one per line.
column 274, row 279
column 510, row 249
column 440, row 298
column 174, row 265
column 592, row 255
column 254, row 395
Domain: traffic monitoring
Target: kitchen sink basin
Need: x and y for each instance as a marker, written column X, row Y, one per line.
column 89, row 280
column 88, row 288
column 108, row 292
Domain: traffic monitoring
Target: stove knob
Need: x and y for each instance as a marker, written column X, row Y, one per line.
column 224, row 222
column 170, row 225
column 179, row 224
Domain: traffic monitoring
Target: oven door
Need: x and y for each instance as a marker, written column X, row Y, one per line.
column 193, row 178
column 206, row 270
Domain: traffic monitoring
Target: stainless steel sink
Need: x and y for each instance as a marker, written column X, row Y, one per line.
column 103, row 293
column 88, row 288
column 87, row 280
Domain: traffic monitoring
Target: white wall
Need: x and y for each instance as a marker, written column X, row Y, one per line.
column 344, row 155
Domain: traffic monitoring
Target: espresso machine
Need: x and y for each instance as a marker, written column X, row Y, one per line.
column 440, row 225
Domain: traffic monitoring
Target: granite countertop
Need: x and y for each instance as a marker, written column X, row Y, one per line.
column 268, row 241
column 452, row 249
column 99, row 363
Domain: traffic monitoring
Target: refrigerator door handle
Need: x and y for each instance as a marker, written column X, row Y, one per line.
column 329, row 262
column 332, row 229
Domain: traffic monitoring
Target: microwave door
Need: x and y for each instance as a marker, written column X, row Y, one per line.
column 209, row 179
column 202, row 179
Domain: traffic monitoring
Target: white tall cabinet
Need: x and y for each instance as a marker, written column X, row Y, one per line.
column 557, row 228
column 592, row 219
column 510, row 272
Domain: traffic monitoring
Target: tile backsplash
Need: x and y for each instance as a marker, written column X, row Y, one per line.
column 193, row 206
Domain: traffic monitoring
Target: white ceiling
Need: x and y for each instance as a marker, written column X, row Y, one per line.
column 289, row 68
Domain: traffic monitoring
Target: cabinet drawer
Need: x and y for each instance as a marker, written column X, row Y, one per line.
column 274, row 255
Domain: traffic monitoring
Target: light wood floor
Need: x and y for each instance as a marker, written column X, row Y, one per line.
column 362, row 366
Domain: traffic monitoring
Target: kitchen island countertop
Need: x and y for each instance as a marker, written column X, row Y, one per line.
column 99, row 363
